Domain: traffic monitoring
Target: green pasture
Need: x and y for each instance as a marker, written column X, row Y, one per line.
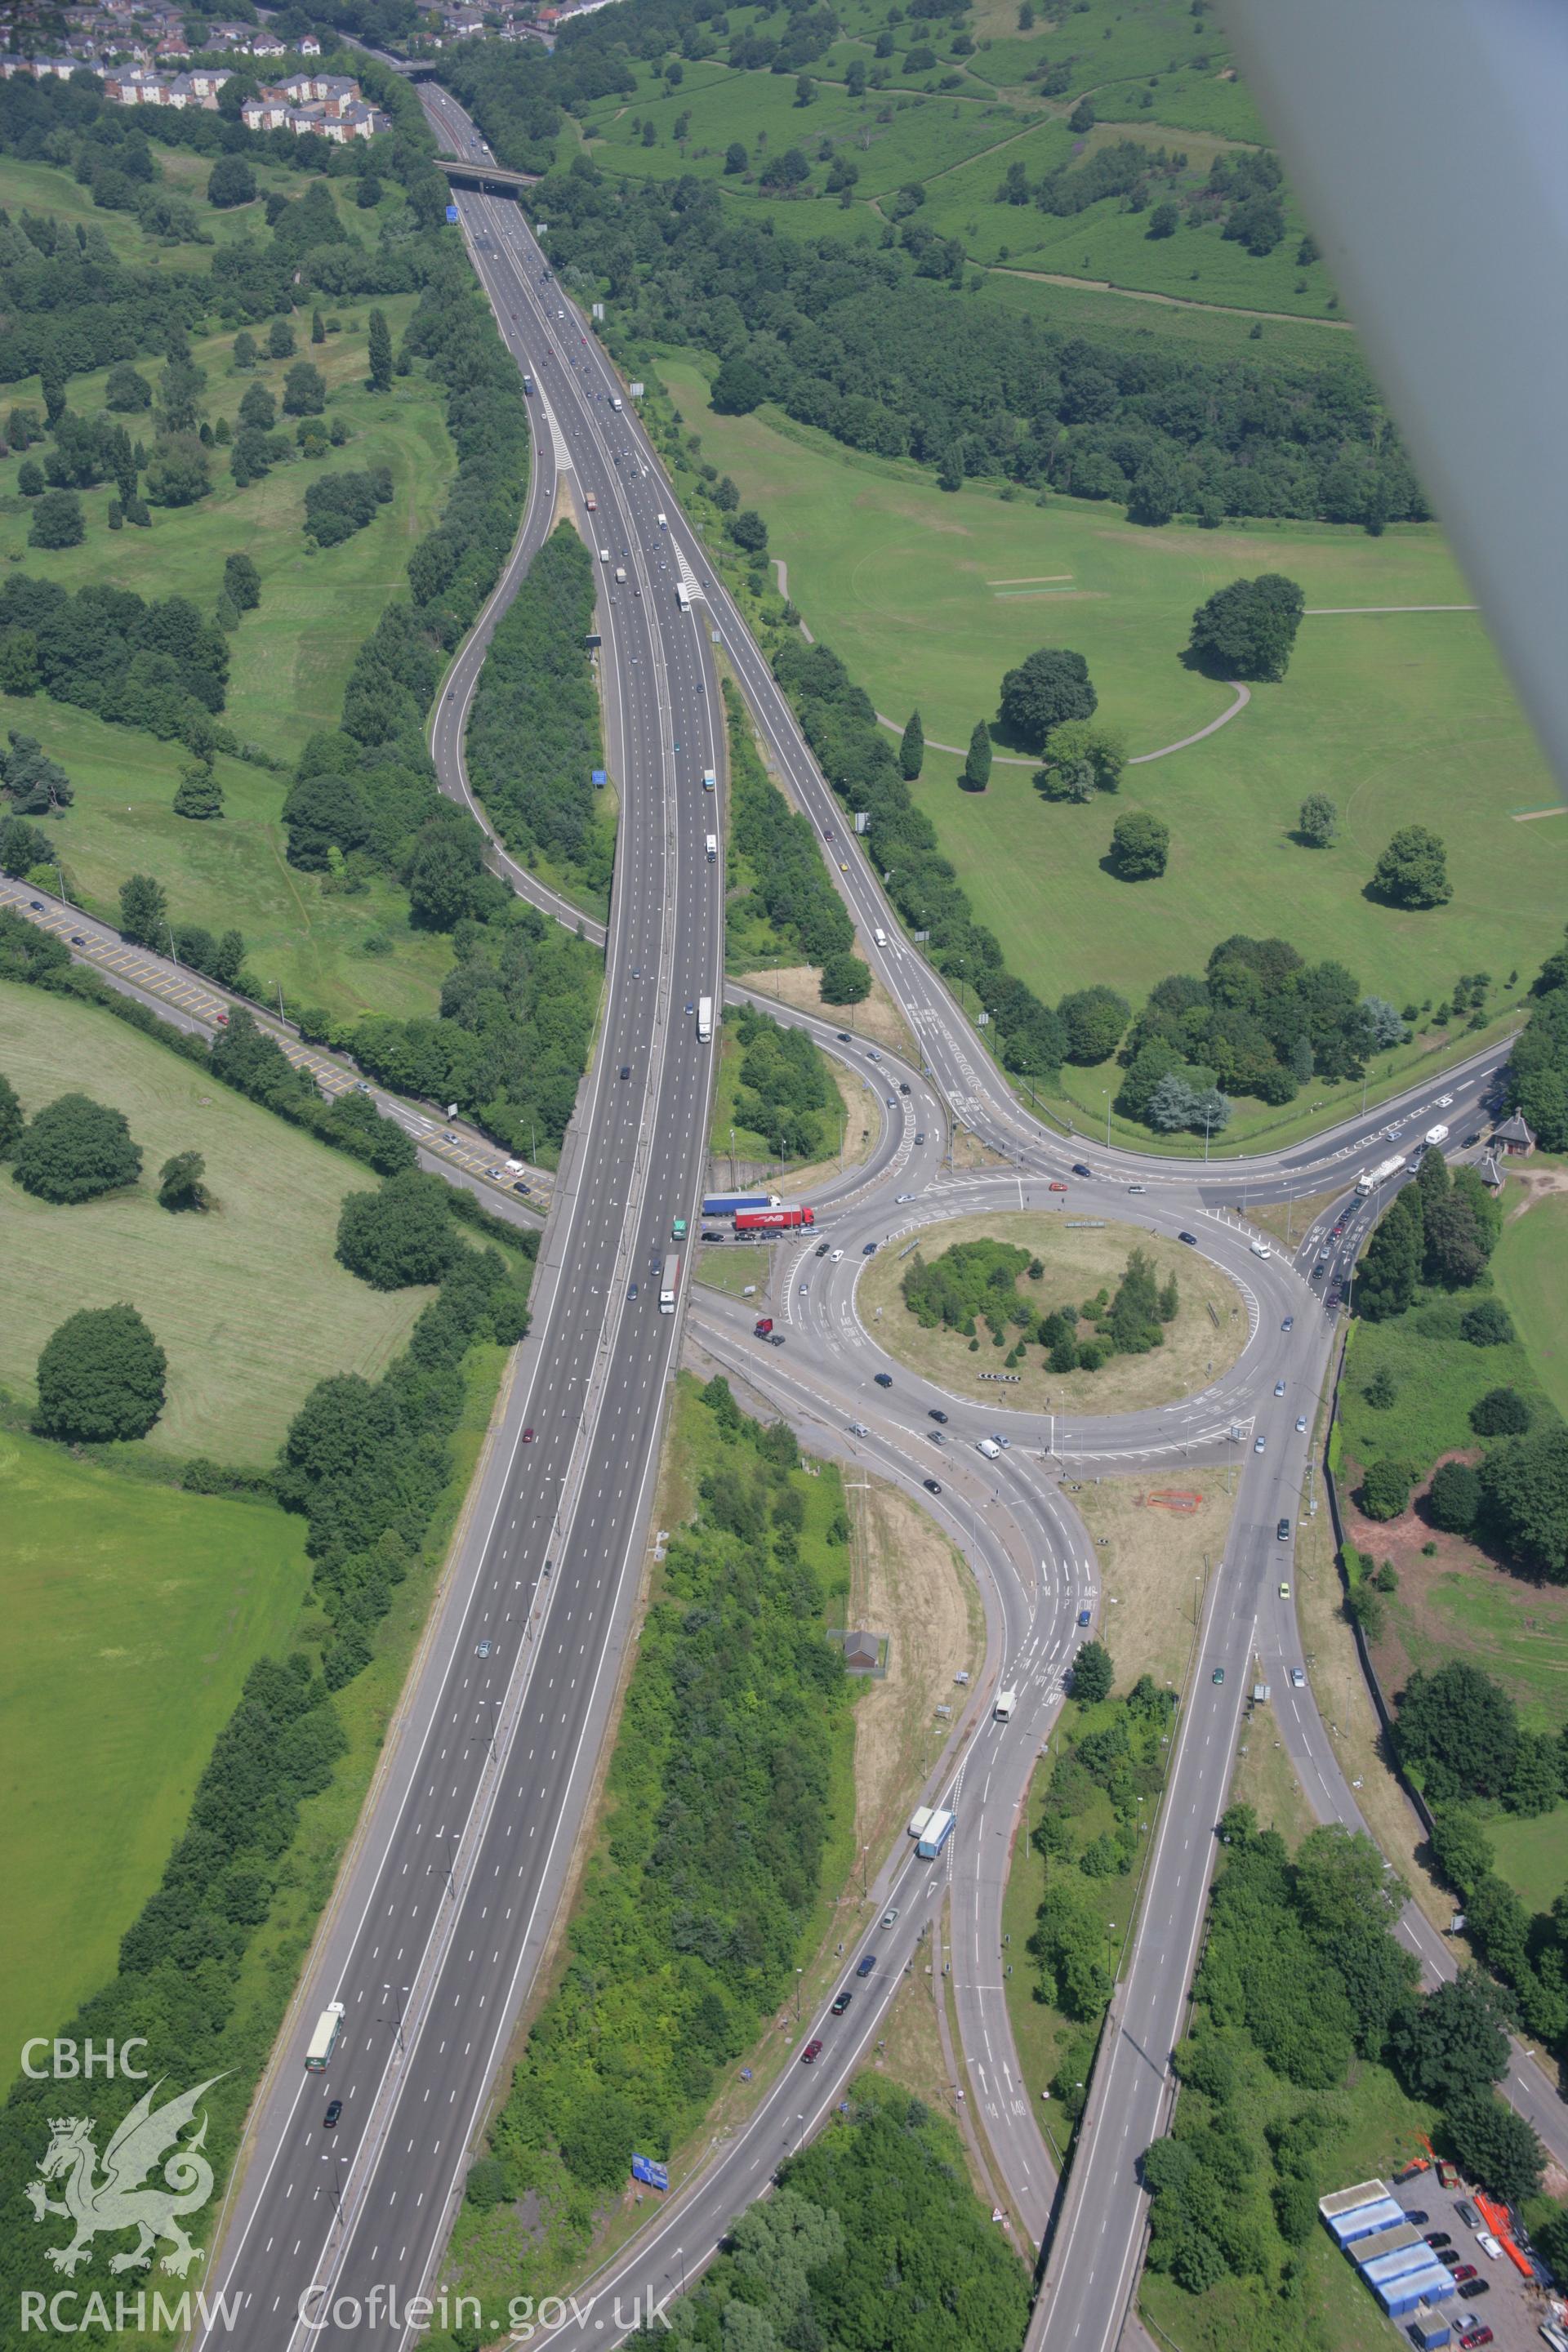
column 132, row 1613
column 1400, row 717
column 299, row 935
column 1531, row 1269
column 1134, row 321
column 247, row 1301
column 289, row 657
column 1532, row 1855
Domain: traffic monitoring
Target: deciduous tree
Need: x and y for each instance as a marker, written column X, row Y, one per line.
column 100, row 1377
column 76, row 1149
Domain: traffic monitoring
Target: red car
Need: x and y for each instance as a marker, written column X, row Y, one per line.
column 528, row 1437
column 223, row 1021
column 1476, row 2335
column 809, row 2056
column 1056, row 1187
column 1465, row 2270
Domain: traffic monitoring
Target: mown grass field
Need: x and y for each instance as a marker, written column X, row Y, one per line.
column 1078, row 1260
column 248, row 1302
column 290, row 661
column 1403, row 716
column 133, row 1614
column 1531, row 1269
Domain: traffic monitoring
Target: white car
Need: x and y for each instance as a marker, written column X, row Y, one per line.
column 903, row 1196
column 1300, row 1424
column 1259, row 1444
column 1297, row 1679
column 834, row 1256
column 1279, row 1388
column 1489, row 2245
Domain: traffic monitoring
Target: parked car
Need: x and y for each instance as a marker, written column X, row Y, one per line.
column 1467, row 2214
column 1474, row 2288
column 1477, row 2336
column 1439, row 2238
column 1489, row 2246
column 1465, row 2270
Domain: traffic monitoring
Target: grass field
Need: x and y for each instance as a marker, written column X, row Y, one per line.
column 1077, row 1262
column 929, row 597
column 1151, row 71
column 290, row 661
column 1531, row 1269
column 1532, row 1855
column 248, row 1302
column 117, row 1596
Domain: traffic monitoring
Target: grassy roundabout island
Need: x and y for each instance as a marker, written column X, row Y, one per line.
column 1078, row 1264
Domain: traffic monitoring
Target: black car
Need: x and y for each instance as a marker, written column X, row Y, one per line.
column 903, row 1085
column 1474, row 2287
column 775, row 1339
column 821, row 1250
column 870, row 1250
column 1282, row 1535
column 334, row 2109
column 883, row 1380
column 1435, row 2238
column 1190, row 1240
column 933, row 1485
column 1449, row 2257
column 1417, row 2220
column 842, row 1035
column 522, row 1185
column 626, row 1069
column 935, row 1412
column 1079, row 1170
column 842, row 2003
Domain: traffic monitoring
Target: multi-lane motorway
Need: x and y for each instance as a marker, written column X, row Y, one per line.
column 459, row 1866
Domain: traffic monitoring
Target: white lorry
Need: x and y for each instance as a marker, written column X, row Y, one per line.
column 1005, row 1702
column 935, row 1836
column 1371, row 1178
column 705, row 1020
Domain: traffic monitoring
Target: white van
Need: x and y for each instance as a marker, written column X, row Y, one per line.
column 880, row 936
column 989, row 1447
column 621, row 573
column 713, row 847
column 617, row 402
column 604, row 555
column 663, row 524
column 1262, row 1249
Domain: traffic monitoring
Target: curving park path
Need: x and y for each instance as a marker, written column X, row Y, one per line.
column 1010, row 759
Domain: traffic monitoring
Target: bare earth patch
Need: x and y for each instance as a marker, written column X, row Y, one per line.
column 879, row 1020
column 1154, row 1565
column 1078, row 1260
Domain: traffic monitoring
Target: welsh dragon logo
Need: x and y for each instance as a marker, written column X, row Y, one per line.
column 118, row 2201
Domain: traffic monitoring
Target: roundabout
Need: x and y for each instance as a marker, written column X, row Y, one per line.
column 1065, row 1264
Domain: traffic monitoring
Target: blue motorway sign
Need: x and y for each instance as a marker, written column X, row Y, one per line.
column 600, row 776
column 657, row 2176
column 451, row 212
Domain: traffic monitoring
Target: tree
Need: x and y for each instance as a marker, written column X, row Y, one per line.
column 1156, row 491
column 1081, row 760
column 1456, row 1248
column 747, row 531
column 1139, row 846
column 1247, row 630
column 177, row 473
column 734, row 157
column 279, row 339
column 1452, row 2043
column 180, row 1185
column 844, row 979
column 1163, row 221
column 11, row 1120
column 57, row 520
column 380, row 352
column 1413, row 870
column 230, row 182
column 1048, row 688
column 977, row 761
column 143, row 911
column 1171, row 1105
column 257, row 408
column 244, row 351
column 1096, row 1020
column 1385, row 1489
column 242, row 581
column 1525, row 1487
column 1502, row 1412
column 100, row 1378
column 1454, row 1498
column 304, row 389
column 1093, row 1672
column 75, row 1150
column 30, row 478
column 126, row 391
column 1082, row 119
column 805, row 91
column 1386, row 1026
column 1390, row 1268
column 912, row 748
column 35, row 785
column 1496, row 2147
column 1487, row 1324
column 318, row 323
column 399, row 1235
column 1459, row 1728
column 738, row 388
column 198, row 792
column 1318, row 821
